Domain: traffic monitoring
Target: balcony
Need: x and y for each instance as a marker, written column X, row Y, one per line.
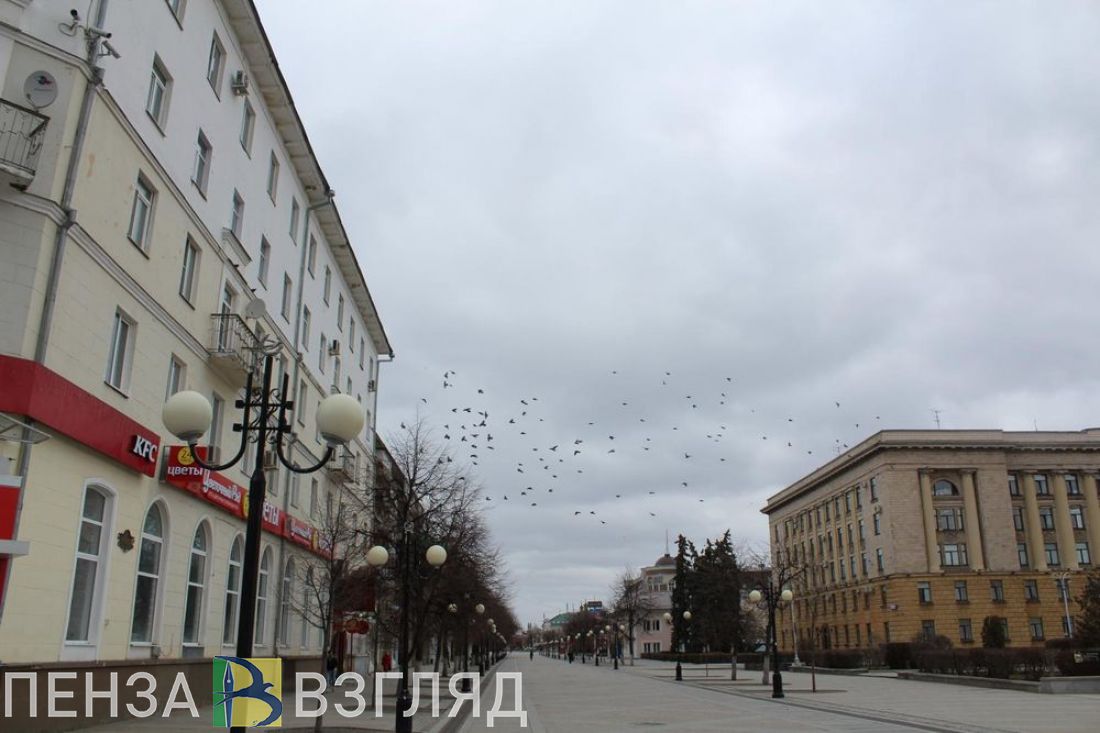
column 21, row 133
column 343, row 466
column 233, row 347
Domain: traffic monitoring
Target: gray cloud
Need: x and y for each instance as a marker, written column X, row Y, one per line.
column 890, row 206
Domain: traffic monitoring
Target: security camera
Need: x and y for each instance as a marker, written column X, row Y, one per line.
column 74, row 14
column 111, row 49
column 97, row 32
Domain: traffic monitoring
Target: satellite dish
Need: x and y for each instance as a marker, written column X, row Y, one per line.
column 255, row 309
column 40, row 89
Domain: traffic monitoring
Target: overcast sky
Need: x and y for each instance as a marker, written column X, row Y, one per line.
column 890, row 206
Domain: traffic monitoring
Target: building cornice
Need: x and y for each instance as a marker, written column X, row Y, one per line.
column 1087, row 440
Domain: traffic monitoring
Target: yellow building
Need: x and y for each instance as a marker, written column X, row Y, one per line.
column 930, row 531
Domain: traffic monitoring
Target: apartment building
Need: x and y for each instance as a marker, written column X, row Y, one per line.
column 154, row 186
column 930, row 531
column 652, row 633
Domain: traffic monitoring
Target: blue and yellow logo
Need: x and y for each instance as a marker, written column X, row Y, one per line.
column 248, row 692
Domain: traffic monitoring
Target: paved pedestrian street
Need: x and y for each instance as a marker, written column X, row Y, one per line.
column 562, row 698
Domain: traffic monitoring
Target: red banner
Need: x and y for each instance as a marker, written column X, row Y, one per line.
column 181, row 471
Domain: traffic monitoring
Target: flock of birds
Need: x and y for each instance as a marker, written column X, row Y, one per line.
column 541, row 458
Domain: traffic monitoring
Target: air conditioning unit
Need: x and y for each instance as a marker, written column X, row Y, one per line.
column 371, row 386
column 271, row 461
column 239, row 84
column 334, row 349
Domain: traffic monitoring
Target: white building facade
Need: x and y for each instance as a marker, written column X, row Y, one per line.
column 143, row 209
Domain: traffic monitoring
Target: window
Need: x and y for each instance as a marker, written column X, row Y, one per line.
column 1035, row 626
column 862, row 532
column 177, row 376
column 327, row 292
column 177, row 6
column 215, row 65
column 880, row 561
column 873, row 484
column 362, row 351
column 949, row 519
column 1042, row 488
column 156, row 101
column 997, row 591
column 1076, row 517
column 203, row 154
column 295, row 212
column 141, row 214
column 340, row 312
column 313, row 507
column 248, row 125
column 218, row 410
column 351, row 341
column 847, row 502
column 1031, row 590
column 961, row 594
column 944, row 488
column 966, row 630
column 288, row 285
column 236, row 216
column 348, row 389
column 877, row 523
column 865, row 564
column 295, row 486
column 953, row 554
column 826, row 512
column 1021, row 554
column 305, row 327
column 273, row 177
column 859, row 499
column 261, row 595
column 1083, row 556
column 311, row 260
column 188, row 275
column 1018, row 518
column 1013, row 485
column 232, row 593
column 1073, row 488
column 321, row 348
column 1046, row 517
column 303, row 641
column 1051, row 551
column 148, row 577
column 924, row 593
column 265, row 261
column 196, row 586
column 928, row 628
column 300, row 403
column 336, row 373
column 121, row 352
column 91, row 543
column 285, row 599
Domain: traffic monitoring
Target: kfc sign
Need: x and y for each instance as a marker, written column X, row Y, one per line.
column 144, row 448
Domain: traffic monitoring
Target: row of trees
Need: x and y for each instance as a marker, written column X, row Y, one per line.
column 419, row 496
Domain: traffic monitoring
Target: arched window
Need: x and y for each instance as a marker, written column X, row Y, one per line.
column 232, row 593
column 150, row 559
column 196, row 587
column 261, row 595
column 285, row 600
column 944, row 488
column 87, row 576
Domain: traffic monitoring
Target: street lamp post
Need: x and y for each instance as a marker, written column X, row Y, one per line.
column 1063, row 586
column 453, row 608
column 377, row 556
column 772, row 596
column 265, row 420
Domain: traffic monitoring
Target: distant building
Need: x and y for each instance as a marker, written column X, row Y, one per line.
column 651, row 632
column 556, row 623
column 930, row 531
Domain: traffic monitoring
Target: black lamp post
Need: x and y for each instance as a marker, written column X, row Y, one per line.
column 680, row 650
column 772, row 597
column 453, row 608
column 377, row 556
column 265, row 421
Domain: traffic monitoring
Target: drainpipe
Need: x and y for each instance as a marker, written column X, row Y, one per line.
column 296, row 375
column 45, row 323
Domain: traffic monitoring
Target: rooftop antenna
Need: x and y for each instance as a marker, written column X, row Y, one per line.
column 936, row 417
column 1035, row 423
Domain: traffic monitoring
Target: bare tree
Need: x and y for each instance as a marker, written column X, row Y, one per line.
column 632, row 603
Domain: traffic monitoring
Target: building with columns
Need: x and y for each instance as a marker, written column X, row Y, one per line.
column 930, row 531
